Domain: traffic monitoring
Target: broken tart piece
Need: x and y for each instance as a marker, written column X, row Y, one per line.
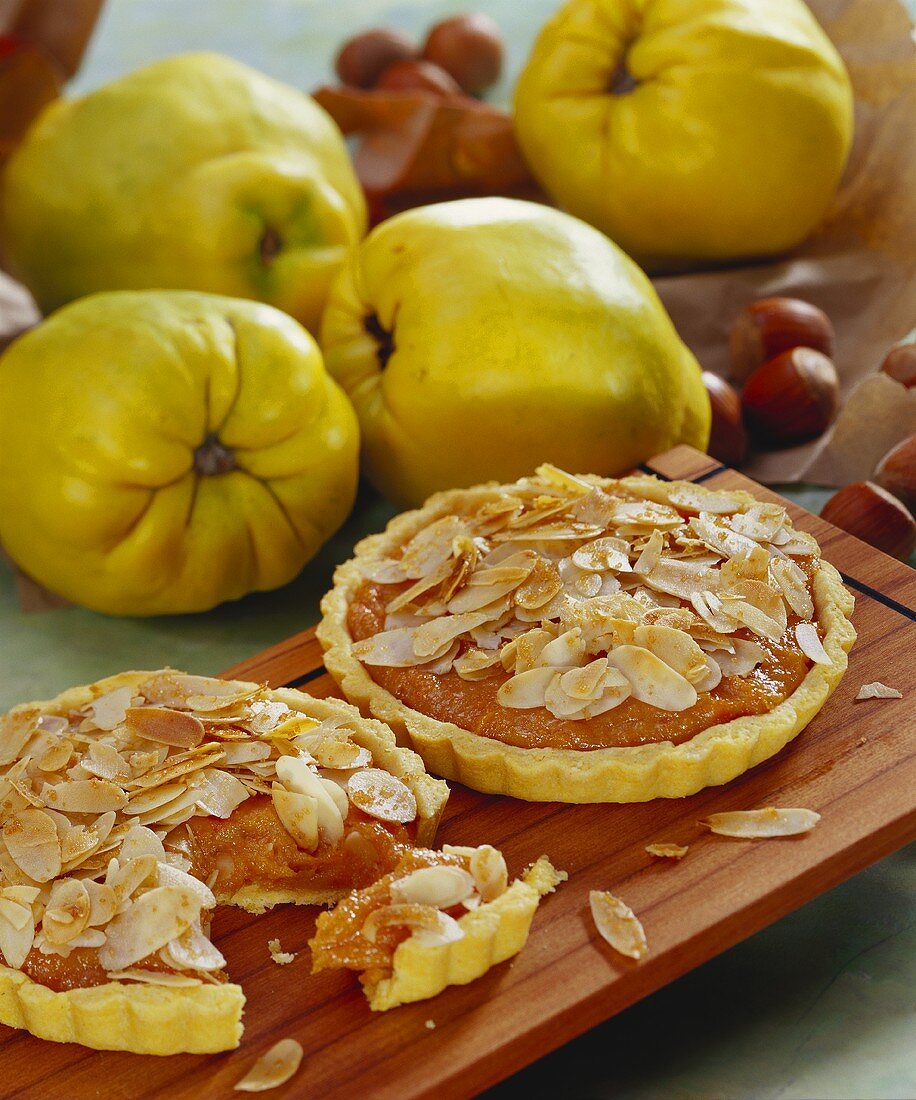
column 439, row 918
column 131, row 808
column 585, row 639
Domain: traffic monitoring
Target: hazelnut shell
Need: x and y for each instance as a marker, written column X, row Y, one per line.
column 896, row 472
column 469, row 48
column 874, row 516
column 363, row 58
column 727, row 438
column 765, row 328
column 791, row 398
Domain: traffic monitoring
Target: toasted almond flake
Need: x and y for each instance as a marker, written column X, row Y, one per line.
column 264, row 715
column 810, row 644
column 430, row 640
column 585, row 684
column 16, row 942
column 103, row 902
column 181, row 765
column 147, row 925
column 720, row 537
column 568, row 649
column 488, row 867
column 747, row 655
column 218, row 792
column 675, row 647
column 105, row 762
column 85, row 796
column 57, row 756
column 272, row 1069
column 165, row 726
column 140, row 841
column 108, row 711
column 296, row 775
column 192, row 950
column 603, row 554
column 440, row 886
column 394, row 649
column 67, row 912
column 428, row 926
column 278, row 955
column 382, row 795
column 651, row 680
column 667, row 851
column 32, row 842
column 877, row 690
column 682, row 578
column 143, row 801
column 697, row 498
column 298, row 814
column 617, row 924
column 651, row 553
column 527, row 689
column 553, row 475
column 477, row 664
column 710, row 678
column 542, row 585
column 341, row 755
column 769, row 822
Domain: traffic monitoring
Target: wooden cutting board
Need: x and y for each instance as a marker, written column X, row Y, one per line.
column 855, row 764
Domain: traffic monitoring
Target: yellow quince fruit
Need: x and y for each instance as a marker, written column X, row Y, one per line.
column 702, row 130
column 481, row 337
column 163, row 451
column 194, row 172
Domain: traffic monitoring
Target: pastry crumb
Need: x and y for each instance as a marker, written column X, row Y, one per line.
column 279, row 956
column 667, row 851
column 877, row 690
column 430, row 1025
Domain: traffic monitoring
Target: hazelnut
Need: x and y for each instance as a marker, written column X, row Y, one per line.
column 770, row 326
column 792, row 398
column 363, row 59
column 727, row 439
column 900, row 361
column 896, row 472
column 874, row 516
column 412, row 76
column 469, row 48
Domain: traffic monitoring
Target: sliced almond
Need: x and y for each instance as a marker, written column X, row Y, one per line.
column 165, row 726
column 84, row 796
column 527, row 689
column 32, row 842
column 272, row 1069
column 147, row 925
column 769, row 822
column 793, row 584
column 394, row 649
column 16, row 935
column 675, row 647
column 295, row 774
column 488, row 866
column 298, row 814
column 340, row 755
column 192, row 950
column 747, row 655
column 477, row 664
column 382, row 795
column 697, row 498
column 428, row 925
column 877, row 690
column 430, row 640
column 108, row 711
column 440, row 886
column 651, row 680
column 542, row 585
column 218, row 792
column 15, row 730
column 617, row 924
column 67, row 912
column 810, row 644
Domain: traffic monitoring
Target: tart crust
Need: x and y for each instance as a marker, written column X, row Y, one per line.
column 715, row 756
column 146, row 1019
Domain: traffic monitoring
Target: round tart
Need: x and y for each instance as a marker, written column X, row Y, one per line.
column 582, row 639
column 439, row 918
column 132, row 807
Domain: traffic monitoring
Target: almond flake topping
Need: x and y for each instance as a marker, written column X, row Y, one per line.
column 617, row 924
column 557, row 571
column 273, row 1068
column 768, row 822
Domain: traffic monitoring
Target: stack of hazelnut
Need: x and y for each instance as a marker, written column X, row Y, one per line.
column 780, row 352
column 461, row 56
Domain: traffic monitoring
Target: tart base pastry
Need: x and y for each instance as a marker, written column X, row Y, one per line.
column 632, row 773
column 166, row 1005
column 466, row 946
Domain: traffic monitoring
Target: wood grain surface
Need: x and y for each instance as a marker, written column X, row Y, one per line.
column 855, row 764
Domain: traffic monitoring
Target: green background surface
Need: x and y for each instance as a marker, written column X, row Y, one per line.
column 821, row 1004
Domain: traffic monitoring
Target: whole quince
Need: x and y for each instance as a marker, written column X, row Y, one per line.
column 481, row 337
column 163, row 451
column 195, row 172
column 702, row 130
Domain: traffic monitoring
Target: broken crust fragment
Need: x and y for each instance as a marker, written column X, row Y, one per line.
column 491, row 933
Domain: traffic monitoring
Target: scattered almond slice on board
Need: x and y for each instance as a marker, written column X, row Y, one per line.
column 877, row 690
column 618, row 925
column 274, row 1068
column 763, row 823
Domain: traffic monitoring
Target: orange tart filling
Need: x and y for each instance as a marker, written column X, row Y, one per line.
column 126, row 819
column 579, row 613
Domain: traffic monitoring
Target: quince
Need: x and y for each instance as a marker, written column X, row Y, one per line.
column 707, row 130
column 193, row 172
column 163, row 451
column 482, row 337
